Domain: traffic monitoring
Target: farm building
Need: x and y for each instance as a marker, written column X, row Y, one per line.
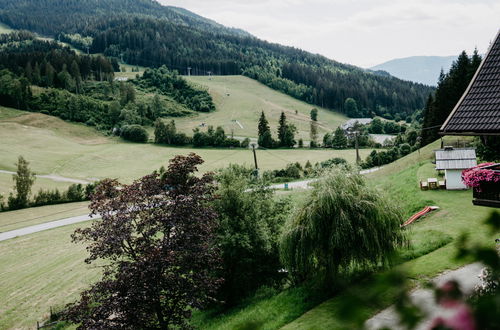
column 453, row 161
column 477, row 113
column 349, row 125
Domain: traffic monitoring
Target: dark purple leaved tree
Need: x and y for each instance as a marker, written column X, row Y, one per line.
column 156, row 238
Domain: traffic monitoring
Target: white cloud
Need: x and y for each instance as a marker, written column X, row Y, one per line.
column 360, row 32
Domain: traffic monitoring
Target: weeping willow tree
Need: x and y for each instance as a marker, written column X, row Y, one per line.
column 343, row 227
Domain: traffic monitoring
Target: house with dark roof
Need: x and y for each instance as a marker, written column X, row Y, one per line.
column 478, row 110
column 477, row 113
column 453, row 161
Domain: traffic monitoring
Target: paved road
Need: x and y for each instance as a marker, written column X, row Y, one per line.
column 68, row 221
column 467, row 276
column 305, row 184
column 53, row 177
column 43, row 226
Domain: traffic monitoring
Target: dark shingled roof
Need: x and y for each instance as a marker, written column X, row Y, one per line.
column 478, row 111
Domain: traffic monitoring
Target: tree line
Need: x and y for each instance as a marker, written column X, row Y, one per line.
column 141, row 38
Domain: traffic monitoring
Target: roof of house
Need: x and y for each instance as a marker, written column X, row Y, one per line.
column 351, row 122
column 455, row 158
column 478, row 111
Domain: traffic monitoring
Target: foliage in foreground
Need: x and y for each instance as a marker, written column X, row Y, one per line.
column 250, row 224
column 157, row 237
column 344, row 226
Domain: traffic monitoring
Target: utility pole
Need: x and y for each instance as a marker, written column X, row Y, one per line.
column 358, row 159
column 189, row 71
column 255, row 158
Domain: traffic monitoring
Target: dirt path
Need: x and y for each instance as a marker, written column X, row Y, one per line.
column 53, row 177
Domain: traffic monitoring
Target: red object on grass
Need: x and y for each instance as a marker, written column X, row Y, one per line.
column 417, row 215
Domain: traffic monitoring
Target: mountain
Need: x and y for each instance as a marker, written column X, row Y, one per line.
column 145, row 33
column 421, row 69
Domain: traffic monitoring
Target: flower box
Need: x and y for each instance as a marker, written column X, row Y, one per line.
column 485, row 182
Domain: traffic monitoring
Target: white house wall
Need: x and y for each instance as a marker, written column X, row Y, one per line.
column 454, row 180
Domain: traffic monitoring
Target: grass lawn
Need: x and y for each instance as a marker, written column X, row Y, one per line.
column 38, row 271
column 432, row 237
column 53, row 146
column 238, row 98
column 35, row 215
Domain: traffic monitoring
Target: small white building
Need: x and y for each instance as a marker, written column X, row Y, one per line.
column 453, row 161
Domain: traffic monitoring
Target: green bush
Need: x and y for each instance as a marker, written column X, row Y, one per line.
column 134, row 133
column 249, row 225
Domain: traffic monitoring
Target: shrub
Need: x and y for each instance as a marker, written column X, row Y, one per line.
column 134, row 133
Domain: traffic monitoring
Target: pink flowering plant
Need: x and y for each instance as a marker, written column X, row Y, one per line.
column 473, row 177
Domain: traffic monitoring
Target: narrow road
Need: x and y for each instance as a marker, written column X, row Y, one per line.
column 468, row 278
column 53, row 177
column 43, row 226
column 81, row 218
column 305, row 184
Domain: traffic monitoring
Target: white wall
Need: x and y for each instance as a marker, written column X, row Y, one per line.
column 454, row 180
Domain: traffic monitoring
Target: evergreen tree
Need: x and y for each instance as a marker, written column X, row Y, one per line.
column 339, row 140
column 451, row 87
column 282, row 129
column 265, row 138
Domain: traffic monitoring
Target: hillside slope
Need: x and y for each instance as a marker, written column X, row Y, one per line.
column 148, row 34
column 421, row 69
column 239, row 101
column 53, row 146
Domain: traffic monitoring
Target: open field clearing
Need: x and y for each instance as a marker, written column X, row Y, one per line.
column 240, row 100
column 35, row 215
column 5, row 29
column 53, row 146
column 39, row 271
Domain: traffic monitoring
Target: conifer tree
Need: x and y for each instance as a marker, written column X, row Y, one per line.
column 265, row 139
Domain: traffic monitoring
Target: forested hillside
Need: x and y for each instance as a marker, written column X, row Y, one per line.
column 148, row 34
column 46, row 77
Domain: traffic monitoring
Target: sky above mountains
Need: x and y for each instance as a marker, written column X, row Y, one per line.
column 361, row 32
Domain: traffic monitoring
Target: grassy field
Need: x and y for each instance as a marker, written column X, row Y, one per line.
column 53, row 146
column 5, row 29
column 241, row 99
column 38, row 271
column 6, row 184
column 35, row 215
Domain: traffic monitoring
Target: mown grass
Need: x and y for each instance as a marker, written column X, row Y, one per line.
column 53, row 146
column 243, row 99
column 12, row 220
column 38, row 271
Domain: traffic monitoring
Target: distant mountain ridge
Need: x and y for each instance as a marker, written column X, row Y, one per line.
column 421, row 69
column 145, row 33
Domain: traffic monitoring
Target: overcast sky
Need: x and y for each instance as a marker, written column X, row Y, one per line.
column 361, row 32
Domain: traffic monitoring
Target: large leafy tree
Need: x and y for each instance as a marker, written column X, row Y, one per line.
column 344, row 226
column 24, row 179
column 156, row 237
column 250, row 223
